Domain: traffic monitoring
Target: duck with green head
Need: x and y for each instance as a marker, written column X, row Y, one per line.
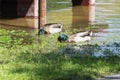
column 76, row 37
column 50, row 28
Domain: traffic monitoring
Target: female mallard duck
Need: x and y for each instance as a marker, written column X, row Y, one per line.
column 51, row 28
column 77, row 37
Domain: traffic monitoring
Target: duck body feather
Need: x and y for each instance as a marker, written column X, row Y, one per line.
column 84, row 33
column 53, row 28
column 78, row 37
column 50, row 28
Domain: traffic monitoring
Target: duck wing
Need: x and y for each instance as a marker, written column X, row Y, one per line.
column 53, row 25
column 82, row 39
column 71, row 38
column 81, row 34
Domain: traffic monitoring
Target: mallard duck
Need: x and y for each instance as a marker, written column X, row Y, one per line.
column 51, row 28
column 76, row 37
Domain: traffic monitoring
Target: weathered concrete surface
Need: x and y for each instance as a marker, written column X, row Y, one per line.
column 111, row 77
column 42, row 13
column 83, row 2
column 88, row 2
column 27, row 8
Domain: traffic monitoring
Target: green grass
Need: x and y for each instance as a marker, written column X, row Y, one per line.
column 27, row 56
column 39, row 58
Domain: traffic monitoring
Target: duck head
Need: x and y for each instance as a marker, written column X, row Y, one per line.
column 62, row 38
column 41, row 32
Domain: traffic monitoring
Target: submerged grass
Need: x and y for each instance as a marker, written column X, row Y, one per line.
column 41, row 59
column 55, row 4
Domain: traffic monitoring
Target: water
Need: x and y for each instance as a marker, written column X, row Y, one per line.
column 107, row 12
column 18, row 23
column 103, row 19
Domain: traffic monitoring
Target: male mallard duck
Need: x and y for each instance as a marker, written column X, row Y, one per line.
column 76, row 37
column 51, row 28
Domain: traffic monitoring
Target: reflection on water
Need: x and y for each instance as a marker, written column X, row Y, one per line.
column 18, row 23
column 82, row 16
column 78, row 17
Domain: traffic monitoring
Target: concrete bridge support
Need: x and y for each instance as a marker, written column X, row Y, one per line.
column 42, row 12
column 0, row 8
column 83, row 2
column 33, row 9
column 27, row 8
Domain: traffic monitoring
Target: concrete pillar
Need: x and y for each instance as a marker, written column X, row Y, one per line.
column 36, row 8
column 42, row 12
column 83, row 2
column 33, row 9
column 76, row 2
column 0, row 8
column 88, row 2
column 27, row 8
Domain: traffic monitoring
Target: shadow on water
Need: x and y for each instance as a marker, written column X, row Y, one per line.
column 11, row 9
column 8, row 9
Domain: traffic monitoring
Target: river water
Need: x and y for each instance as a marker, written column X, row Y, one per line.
column 103, row 19
column 108, row 12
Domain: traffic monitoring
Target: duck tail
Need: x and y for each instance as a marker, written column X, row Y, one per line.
column 90, row 33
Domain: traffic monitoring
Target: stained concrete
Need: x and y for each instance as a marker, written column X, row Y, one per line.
column 111, row 77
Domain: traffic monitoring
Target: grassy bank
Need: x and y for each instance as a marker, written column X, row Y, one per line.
column 40, row 58
column 26, row 56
